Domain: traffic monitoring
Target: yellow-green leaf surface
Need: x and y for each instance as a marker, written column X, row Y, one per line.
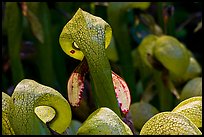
column 111, row 51
column 146, row 47
column 6, row 106
column 82, row 33
column 88, row 35
column 141, row 112
column 169, row 123
column 172, row 54
column 28, row 95
column 192, row 88
column 104, row 121
column 192, row 109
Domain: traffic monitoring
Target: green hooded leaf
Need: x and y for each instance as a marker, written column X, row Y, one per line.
column 26, row 99
column 169, row 123
column 192, row 109
column 88, row 35
column 104, row 121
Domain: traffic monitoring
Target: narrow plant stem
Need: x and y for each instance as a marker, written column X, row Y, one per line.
column 170, row 25
column 160, row 16
column 59, row 63
column 165, row 96
column 165, row 20
column 14, row 29
column 117, row 19
column 103, row 92
column 45, row 61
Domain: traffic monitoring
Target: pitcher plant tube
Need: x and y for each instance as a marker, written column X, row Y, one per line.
column 85, row 37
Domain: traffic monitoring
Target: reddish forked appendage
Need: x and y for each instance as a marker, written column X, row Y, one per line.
column 75, row 85
column 122, row 93
column 75, row 88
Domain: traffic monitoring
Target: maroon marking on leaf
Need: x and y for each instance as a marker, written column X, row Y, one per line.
column 72, row 51
column 122, row 93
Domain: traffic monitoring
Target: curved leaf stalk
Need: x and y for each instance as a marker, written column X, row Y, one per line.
column 165, row 96
column 59, row 61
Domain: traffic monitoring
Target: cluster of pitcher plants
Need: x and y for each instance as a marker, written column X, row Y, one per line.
column 37, row 109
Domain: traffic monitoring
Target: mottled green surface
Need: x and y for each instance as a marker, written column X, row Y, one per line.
column 90, row 35
column 6, row 106
column 104, row 121
column 192, row 109
column 169, row 123
column 28, row 95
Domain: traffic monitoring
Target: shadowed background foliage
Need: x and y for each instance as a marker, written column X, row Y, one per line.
column 30, row 40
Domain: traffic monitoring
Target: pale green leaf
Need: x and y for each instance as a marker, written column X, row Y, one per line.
column 194, row 69
column 192, row 88
column 141, row 112
column 172, row 54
